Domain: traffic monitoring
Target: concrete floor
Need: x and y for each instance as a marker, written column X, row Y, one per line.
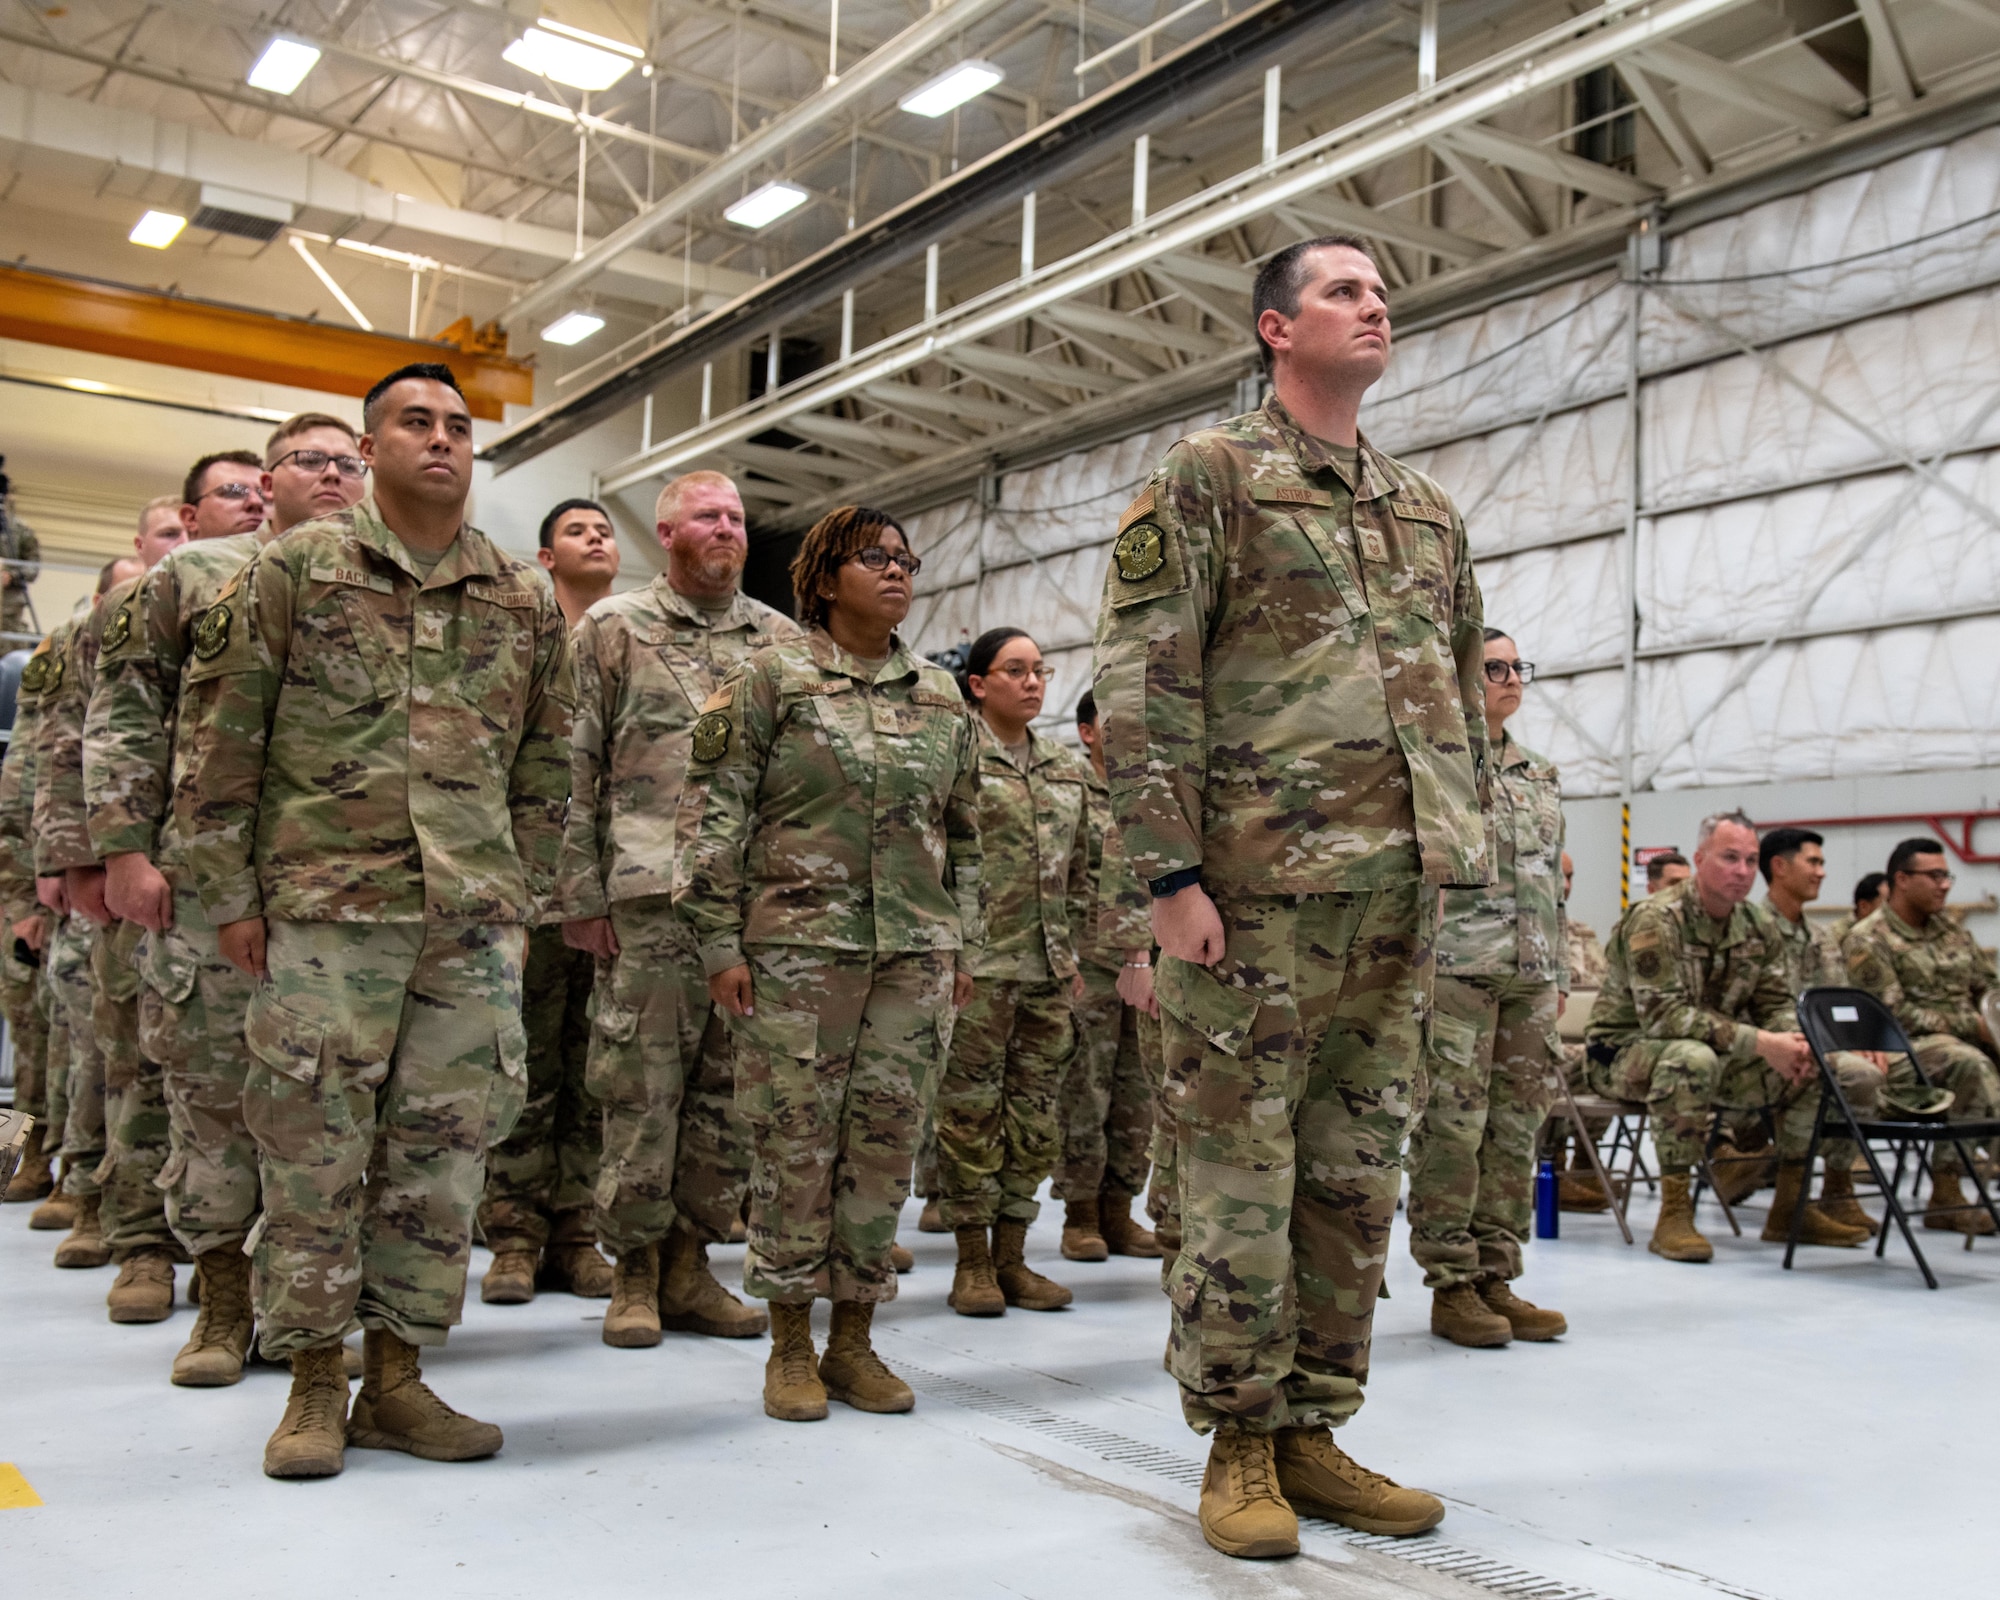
column 1725, row 1430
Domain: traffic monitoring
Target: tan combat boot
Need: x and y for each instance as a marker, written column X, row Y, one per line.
column 1815, row 1226
column 311, row 1441
column 33, row 1178
column 1081, row 1240
column 1243, row 1510
column 144, row 1291
column 929, row 1220
column 1529, row 1322
column 1578, row 1188
column 1122, row 1235
column 900, row 1258
column 215, row 1352
column 510, row 1281
column 1735, row 1174
column 1947, row 1192
column 1458, row 1314
column 851, row 1370
column 793, row 1391
column 1674, row 1234
column 85, row 1246
column 1322, row 1480
column 974, row 1290
column 571, row 1260
column 397, row 1410
column 1836, row 1199
column 691, row 1301
column 57, row 1214
column 632, row 1321
column 1020, row 1283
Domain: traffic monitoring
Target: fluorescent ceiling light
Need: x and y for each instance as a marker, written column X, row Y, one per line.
column 951, row 89
column 283, row 66
column 157, row 229
column 762, row 207
column 582, row 66
column 572, row 327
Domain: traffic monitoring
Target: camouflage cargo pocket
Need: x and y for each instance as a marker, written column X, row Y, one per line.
column 284, row 1092
column 169, row 964
column 769, row 1042
column 611, row 1073
column 509, row 1094
column 1220, row 1017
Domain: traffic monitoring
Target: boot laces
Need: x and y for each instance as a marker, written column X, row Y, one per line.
column 1258, row 1470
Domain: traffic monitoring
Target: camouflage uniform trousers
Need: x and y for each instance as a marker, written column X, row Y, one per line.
column 1109, row 1095
column 22, row 998
column 191, row 1010
column 79, row 1061
column 1472, row 1152
column 1292, row 1069
column 997, row 1132
column 135, row 1100
column 545, row 1175
column 675, row 1146
column 1163, row 1192
column 1966, row 1070
column 1683, row 1083
column 833, row 1069
column 388, row 1059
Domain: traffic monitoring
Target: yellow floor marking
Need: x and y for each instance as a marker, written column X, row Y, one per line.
column 16, row 1493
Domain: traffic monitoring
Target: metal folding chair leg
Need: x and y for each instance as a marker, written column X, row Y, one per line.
column 1589, row 1147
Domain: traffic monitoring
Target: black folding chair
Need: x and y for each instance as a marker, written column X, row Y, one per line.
column 1853, row 1019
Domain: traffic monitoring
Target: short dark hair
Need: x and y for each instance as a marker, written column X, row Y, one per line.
column 828, row 545
column 1870, row 885
column 1659, row 864
column 1086, row 709
column 1498, row 633
column 979, row 659
column 1283, row 278
column 107, row 575
column 1785, row 843
column 564, row 509
column 434, row 371
column 191, row 484
column 1908, row 851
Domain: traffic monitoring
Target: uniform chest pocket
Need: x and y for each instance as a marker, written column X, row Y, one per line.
column 1306, row 594
column 487, row 655
column 837, row 719
column 340, row 640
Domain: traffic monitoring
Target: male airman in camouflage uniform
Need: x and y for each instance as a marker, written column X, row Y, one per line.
column 24, row 933
column 377, row 719
column 1288, row 659
column 20, row 565
column 191, row 1001
column 1920, row 962
column 676, row 1152
column 1696, row 1015
column 1112, row 1087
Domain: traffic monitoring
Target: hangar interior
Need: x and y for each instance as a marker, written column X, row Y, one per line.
column 1697, row 311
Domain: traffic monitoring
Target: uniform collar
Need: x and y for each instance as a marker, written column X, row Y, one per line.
column 1927, row 931
column 1511, row 754
column 1040, row 751
column 1731, row 930
column 687, row 609
column 1314, row 456
column 469, row 556
column 901, row 664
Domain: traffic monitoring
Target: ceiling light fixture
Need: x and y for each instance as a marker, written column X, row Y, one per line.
column 572, row 327
column 569, row 55
column 952, row 88
column 762, row 207
column 283, row 66
column 157, row 229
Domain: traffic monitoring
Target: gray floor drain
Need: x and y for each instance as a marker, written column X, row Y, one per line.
column 1428, row 1551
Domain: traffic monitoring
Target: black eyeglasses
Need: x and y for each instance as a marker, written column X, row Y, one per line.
column 1497, row 671
column 312, row 461
column 231, row 491
column 876, row 558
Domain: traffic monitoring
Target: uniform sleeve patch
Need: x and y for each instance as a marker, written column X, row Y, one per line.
column 211, row 634
column 711, row 736
column 1140, row 552
column 1140, row 507
column 35, row 675
column 118, row 629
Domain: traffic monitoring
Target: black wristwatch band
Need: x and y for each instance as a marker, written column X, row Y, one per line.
column 1173, row 882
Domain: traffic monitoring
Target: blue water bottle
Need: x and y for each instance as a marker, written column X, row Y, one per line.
column 1548, row 1215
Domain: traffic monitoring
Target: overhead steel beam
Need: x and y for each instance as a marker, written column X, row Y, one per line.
column 1333, row 213
column 1492, row 190
column 1674, row 129
column 1886, row 52
column 1557, row 166
column 1733, row 86
column 721, row 174
column 1166, row 92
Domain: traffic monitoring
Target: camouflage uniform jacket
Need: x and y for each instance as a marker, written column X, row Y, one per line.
column 1674, row 972
column 831, row 803
column 1034, row 848
column 62, row 819
column 130, row 762
column 1121, row 916
column 646, row 663
column 365, row 745
column 17, row 793
column 1285, row 664
column 1836, row 935
column 1584, row 960
column 1930, row 978
column 1515, row 923
column 1814, row 960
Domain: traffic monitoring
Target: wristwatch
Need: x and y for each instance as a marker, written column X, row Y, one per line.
column 1173, row 882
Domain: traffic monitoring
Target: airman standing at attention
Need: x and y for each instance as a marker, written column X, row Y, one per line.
column 541, row 1183
column 1500, row 983
column 676, row 1152
column 191, row 1001
column 377, row 727
column 1289, row 657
